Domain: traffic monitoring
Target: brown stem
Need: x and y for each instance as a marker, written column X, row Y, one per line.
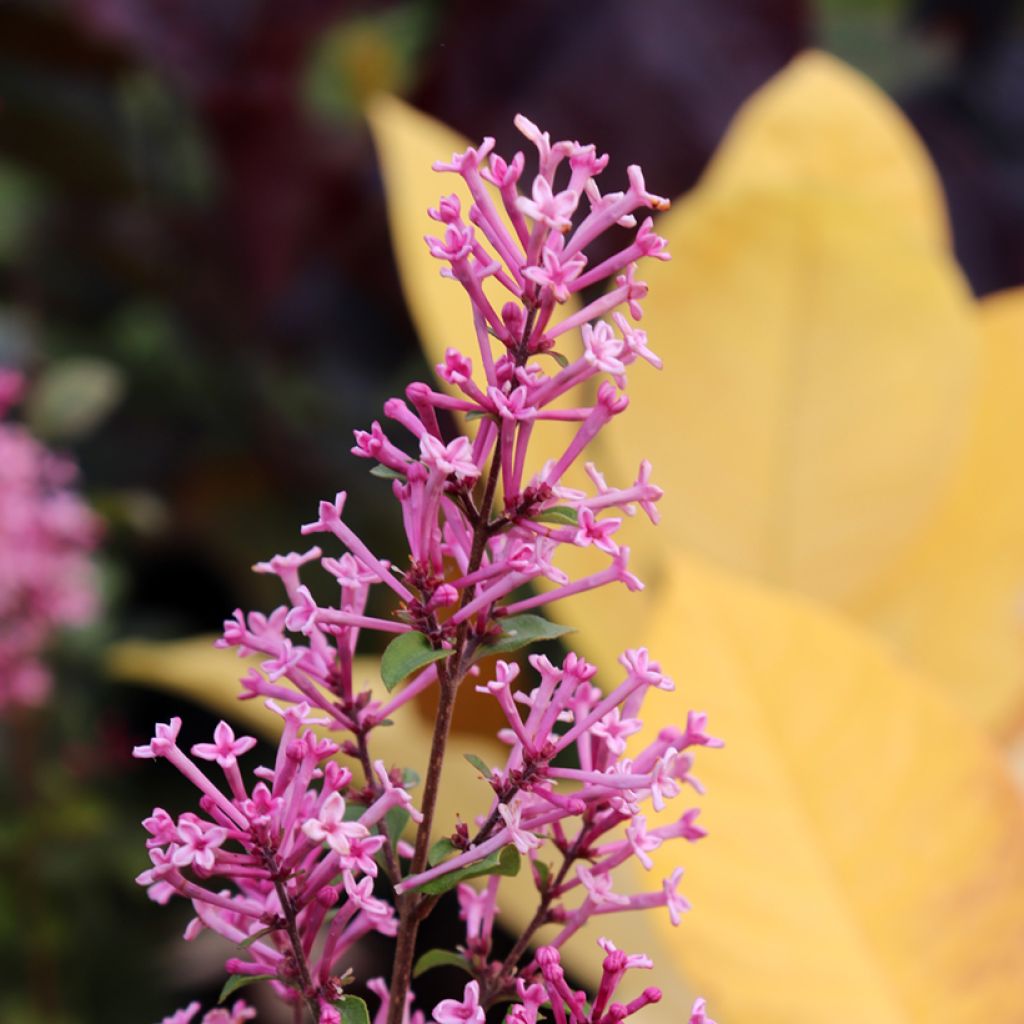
column 493, row 990
column 412, row 908
column 292, row 928
column 409, row 915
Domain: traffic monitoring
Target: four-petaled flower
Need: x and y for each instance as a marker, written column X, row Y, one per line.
column 225, row 748
column 330, row 826
column 451, row 459
column 196, row 844
column 676, row 903
column 599, row 887
column 512, row 815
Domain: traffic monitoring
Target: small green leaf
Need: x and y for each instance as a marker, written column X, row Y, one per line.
column 237, row 981
column 404, row 655
column 563, row 515
column 440, row 850
column 261, row 934
column 386, row 473
column 394, row 823
column 353, row 812
column 543, row 873
column 505, row 861
column 476, row 414
column 519, row 631
column 410, row 779
column 439, row 958
column 353, row 1010
column 479, row 764
column 559, row 357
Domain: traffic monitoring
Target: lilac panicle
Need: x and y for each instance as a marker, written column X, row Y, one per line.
column 46, row 535
column 287, row 846
column 287, row 868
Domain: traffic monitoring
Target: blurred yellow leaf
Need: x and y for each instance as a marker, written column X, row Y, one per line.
column 954, row 604
column 408, row 143
column 818, row 371
column 866, row 852
column 821, row 126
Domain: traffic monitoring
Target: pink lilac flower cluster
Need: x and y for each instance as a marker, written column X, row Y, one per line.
column 607, row 792
column 46, row 535
column 237, row 1014
column 297, row 849
column 302, row 849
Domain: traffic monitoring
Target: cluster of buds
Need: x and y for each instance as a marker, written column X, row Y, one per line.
column 481, row 527
column 46, row 535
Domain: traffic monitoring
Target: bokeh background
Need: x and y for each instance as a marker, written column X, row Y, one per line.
column 196, row 275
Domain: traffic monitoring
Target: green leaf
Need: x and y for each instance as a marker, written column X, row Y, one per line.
column 353, row 1010
column 353, row 812
column 386, row 473
column 410, row 779
column 475, row 414
column 505, row 861
column 439, row 958
column 559, row 357
column 519, row 631
column 237, row 981
column 543, row 873
column 394, row 823
column 479, row 764
column 441, row 849
column 261, row 934
column 404, row 655
column 563, row 515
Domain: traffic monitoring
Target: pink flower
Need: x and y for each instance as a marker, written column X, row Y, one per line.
column 477, row 909
column 614, row 729
column 166, row 737
column 468, row 1011
column 641, row 841
column 183, row 1016
column 552, row 209
column 556, row 273
column 598, row 533
column 677, row 904
column 698, row 1014
column 599, row 887
column 238, row 1013
column 452, row 459
column 196, row 845
column 225, row 748
column 524, row 841
column 330, row 826
column 602, row 350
